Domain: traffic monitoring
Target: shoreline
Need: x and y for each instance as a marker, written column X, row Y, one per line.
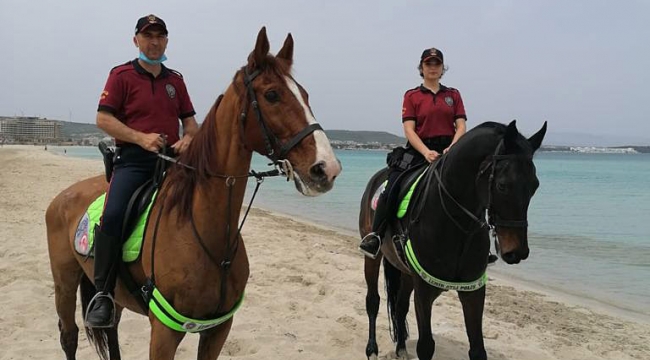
column 305, row 295
column 553, row 293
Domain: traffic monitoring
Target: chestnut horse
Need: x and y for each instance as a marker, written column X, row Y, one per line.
column 483, row 184
column 201, row 267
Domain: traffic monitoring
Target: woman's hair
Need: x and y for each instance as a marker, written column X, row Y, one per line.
column 444, row 70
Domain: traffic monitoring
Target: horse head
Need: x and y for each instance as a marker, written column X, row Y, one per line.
column 277, row 120
column 507, row 182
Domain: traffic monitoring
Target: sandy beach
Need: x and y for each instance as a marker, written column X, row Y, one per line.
column 305, row 297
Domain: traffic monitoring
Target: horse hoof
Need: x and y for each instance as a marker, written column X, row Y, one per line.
column 402, row 355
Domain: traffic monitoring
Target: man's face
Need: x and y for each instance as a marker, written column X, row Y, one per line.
column 152, row 41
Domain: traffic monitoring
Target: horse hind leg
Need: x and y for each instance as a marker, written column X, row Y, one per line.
column 66, row 273
column 398, row 289
column 371, row 272
column 65, row 297
column 402, row 309
column 473, row 303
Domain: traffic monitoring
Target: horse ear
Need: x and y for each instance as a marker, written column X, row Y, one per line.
column 536, row 140
column 257, row 58
column 510, row 138
column 286, row 52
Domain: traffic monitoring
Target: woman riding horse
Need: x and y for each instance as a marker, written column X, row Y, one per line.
column 483, row 184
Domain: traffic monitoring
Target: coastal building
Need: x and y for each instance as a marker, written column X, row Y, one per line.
column 27, row 129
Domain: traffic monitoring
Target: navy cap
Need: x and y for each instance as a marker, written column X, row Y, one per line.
column 149, row 20
column 431, row 53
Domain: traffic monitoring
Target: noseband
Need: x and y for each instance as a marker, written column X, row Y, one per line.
column 270, row 140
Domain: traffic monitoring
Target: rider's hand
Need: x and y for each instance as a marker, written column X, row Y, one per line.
column 446, row 149
column 181, row 145
column 152, row 142
column 431, row 155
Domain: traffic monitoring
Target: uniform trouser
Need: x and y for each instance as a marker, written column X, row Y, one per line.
column 133, row 167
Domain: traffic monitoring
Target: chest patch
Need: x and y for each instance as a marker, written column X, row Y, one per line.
column 449, row 101
column 171, row 91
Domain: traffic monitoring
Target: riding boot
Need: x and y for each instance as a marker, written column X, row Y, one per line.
column 101, row 309
column 371, row 243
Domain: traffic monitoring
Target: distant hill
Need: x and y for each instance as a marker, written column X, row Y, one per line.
column 365, row 137
column 79, row 130
column 72, row 130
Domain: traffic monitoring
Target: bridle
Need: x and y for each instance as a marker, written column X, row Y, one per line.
column 492, row 219
column 283, row 167
column 270, row 140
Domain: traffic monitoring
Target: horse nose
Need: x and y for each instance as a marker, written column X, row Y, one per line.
column 511, row 258
column 321, row 172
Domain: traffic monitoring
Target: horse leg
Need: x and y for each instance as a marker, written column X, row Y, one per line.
column 164, row 341
column 212, row 340
column 67, row 275
column 473, row 303
column 424, row 297
column 402, row 309
column 111, row 334
column 371, row 272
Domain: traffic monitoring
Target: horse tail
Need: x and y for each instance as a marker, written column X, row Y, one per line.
column 392, row 277
column 97, row 337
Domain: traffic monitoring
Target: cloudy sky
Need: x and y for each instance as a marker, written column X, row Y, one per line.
column 581, row 65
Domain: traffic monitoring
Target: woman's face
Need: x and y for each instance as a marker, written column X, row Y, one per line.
column 432, row 69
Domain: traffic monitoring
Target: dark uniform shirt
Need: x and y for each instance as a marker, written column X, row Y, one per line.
column 434, row 114
column 145, row 103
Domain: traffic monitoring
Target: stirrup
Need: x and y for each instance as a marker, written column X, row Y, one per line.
column 367, row 237
column 399, row 241
column 98, row 295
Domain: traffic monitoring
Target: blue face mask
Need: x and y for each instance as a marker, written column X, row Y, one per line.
column 144, row 58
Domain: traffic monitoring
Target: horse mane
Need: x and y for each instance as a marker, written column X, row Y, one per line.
column 499, row 130
column 181, row 182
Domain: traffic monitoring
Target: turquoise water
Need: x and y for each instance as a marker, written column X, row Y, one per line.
column 589, row 221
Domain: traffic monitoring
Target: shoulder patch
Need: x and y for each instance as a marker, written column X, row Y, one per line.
column 175, row 73
column 411, row 90
column 122, row 67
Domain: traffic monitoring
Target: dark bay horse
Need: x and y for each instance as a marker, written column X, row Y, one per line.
column 201, row 265
column 484, row 182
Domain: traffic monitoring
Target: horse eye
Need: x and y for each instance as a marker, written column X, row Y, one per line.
column 272, row 96
column 501, row 187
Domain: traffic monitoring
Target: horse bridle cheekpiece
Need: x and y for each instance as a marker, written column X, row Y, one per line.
column 270, row 140
column 493, row 219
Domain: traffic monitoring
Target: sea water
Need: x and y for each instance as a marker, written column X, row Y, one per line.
column 589, row 222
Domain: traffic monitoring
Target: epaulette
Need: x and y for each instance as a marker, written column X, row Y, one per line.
column 175, row 73
column 409, row 90
column 122, row 67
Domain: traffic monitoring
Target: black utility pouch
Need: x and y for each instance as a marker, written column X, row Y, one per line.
column 401, row 158
column 394, row 157
column 109, row 159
